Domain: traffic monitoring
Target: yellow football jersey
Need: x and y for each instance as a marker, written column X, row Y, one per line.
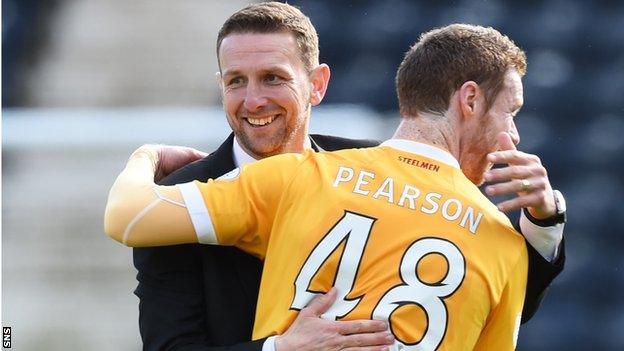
column 398, row 229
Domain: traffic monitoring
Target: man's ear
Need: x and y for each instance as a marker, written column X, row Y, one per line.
column 471, row 99
column 319, row 79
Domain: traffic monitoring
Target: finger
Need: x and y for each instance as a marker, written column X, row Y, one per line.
column 320, row 304
column 511, row 157
column 365, row 340
column 200, row 154
column 173, row 157
column 514, row 187
column 361, row 326
column 505, row 142
column 507, row 173
column 519, row 202
column 196, row 154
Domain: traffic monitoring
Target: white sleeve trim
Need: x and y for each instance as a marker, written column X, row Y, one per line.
column 199, row 213
column 545, row 240
column 138, row 217
column 165, row 199
column 269, row 344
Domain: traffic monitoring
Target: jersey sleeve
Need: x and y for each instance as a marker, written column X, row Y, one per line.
column 140, row 213
column 503, row 324
column 239, row 208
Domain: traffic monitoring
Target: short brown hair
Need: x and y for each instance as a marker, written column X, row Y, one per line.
column 272, row 17
column 444, row 59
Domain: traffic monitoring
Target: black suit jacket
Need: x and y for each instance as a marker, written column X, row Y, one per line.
column 203, row 297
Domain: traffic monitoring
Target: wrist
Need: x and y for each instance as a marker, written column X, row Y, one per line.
column 559, row 216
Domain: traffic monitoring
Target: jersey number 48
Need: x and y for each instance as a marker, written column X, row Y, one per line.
column 355, row 229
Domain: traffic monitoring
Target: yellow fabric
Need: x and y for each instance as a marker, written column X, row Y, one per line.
column 288, row 207
column 135, row 213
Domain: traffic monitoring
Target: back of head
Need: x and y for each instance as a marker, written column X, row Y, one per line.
column 444, row 59
column 274, row 17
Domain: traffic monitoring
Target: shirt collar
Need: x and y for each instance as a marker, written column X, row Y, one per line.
column 241, row 157
column 429, row 151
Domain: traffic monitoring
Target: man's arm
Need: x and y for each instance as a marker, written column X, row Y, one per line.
column 185, row 290
column 137, row 180
column 540, row 222
column 540, row 276
column 140, row 213
column 177, row 321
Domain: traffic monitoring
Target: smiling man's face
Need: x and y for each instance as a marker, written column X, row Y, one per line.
column 266, row 92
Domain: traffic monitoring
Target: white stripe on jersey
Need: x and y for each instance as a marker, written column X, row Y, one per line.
column 200, row 217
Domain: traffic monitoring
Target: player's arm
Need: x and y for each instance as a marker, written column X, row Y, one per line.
column 141, row 213
column 503, row 323
column 135, row 182
column 237, row 209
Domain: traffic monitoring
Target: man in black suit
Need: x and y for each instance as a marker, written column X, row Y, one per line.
column 200, row 297
column 194, row 297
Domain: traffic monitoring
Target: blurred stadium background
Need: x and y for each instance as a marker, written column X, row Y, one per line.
column 85, row 82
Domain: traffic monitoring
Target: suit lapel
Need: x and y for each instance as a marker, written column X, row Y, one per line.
column 315, row 146
column 221, row 161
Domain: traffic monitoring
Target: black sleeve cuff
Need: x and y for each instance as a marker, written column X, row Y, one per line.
column 546, row 222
